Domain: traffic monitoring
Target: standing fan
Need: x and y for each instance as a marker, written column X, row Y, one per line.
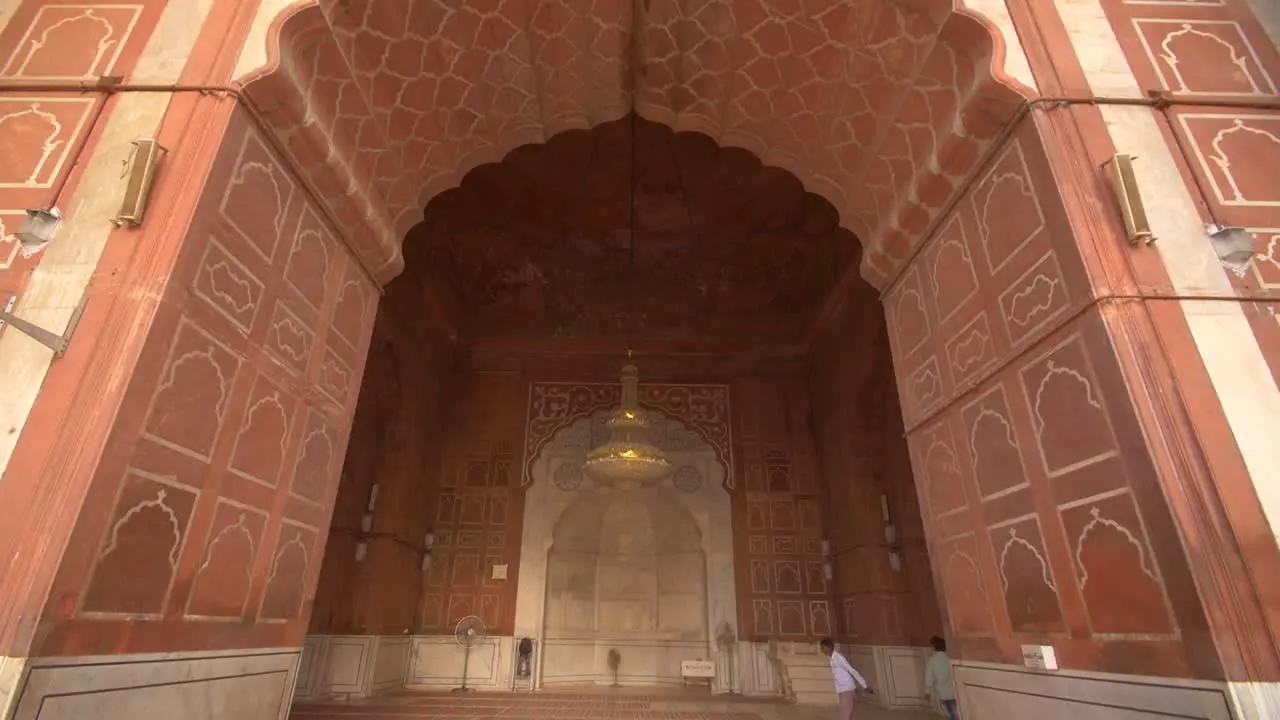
column 727, row 641
column 469, row 632
column 615, row 662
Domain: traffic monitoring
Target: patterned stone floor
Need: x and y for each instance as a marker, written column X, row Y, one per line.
column 577, row 706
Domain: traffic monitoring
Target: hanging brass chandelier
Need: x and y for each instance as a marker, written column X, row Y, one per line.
column 628, row 459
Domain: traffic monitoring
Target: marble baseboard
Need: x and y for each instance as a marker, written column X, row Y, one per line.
column 999, row 691
column 894, row 672
column 352, row 666
column 243, row 684
column 584, row 660
column 435, row 662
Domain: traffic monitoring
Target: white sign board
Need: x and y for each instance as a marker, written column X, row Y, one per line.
column 1039, row 657
column 499, row 572
column 697, row 669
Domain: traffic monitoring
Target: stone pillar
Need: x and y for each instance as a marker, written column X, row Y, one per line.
column 166, row 494
column 1085, row 416
column 883, row 594
column 367, row 605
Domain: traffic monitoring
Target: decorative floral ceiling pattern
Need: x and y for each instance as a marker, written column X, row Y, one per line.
column 882, row 107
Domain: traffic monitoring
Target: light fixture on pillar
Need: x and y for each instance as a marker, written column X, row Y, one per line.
column 139, row 175
column 1124, row 186
column 890, row 535
column 366, row 524
column 428, row 542
column 366, row 520
column 38, row 230
column 895, row 561
column 1233, row 245
column 628, row 460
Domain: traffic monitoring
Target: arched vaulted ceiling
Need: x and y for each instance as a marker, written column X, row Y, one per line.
column 541, row 244
column 880, row 106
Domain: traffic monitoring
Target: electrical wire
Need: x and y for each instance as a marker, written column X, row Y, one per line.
column 631, row 189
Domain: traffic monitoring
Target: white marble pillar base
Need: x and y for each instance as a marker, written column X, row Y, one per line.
column 240, row 684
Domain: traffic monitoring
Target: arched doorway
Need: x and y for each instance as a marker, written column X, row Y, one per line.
column 226, row 456
column 649, row 574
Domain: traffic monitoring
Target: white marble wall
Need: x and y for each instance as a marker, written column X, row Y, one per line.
column 577, row 658
column 435, row 662
column 243, row 684
column 894, row 672
column 1006, row 691
column 352, row 665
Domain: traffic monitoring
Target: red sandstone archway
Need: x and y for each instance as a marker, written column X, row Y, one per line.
column 883, row 108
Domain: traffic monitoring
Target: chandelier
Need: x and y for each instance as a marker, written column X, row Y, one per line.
column 628, row 460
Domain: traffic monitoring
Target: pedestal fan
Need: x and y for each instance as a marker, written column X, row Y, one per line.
column 615, row 662
column 727, row 641
column 469, row 632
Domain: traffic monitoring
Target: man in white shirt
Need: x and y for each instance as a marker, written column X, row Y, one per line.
column 848, row 681
column 938, row 683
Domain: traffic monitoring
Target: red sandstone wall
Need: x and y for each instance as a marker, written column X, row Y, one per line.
column 863, row 455
column 397, row 442
column 1231, row 155
column 778, row 511
column 1045, row 517
column 476, row 507
column 46, row 141
column 204, row 524
column 474, row 503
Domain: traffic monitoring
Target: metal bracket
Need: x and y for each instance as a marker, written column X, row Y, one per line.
column 57, row 343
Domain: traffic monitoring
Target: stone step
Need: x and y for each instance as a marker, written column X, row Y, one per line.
column 810, row 678
column 822, row 684
column 826, row 697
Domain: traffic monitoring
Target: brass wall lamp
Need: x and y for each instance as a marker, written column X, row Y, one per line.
column 1124, row 185
column 1234, row 246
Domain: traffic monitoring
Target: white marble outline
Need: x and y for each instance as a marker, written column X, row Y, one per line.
column 911, row 286
column 1220, row 160
column 988, row 184
column 247, row 421
column 965, row 363
column 7, row 238
column 311, row 226
column 35, row 45
column 1166, row 61
column 276, row 175
column 322, row 429
column 945, row 240
column 237, row 526
column 972, row 425
column 281, row 548
column 234, row 269
column 1272, row 256
column 57, row 145
column 169, row 377
column 110, row 538
column 1049, row 270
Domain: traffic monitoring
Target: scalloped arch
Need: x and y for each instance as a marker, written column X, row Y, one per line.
column 882, row 107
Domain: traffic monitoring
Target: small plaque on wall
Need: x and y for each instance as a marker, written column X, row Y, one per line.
column 499, row 572
column 1039, row 657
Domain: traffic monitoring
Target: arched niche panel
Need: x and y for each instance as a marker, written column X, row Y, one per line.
column 702, row 410
column 648, row 573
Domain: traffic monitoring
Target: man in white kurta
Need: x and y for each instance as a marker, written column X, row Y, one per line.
column 848, row 681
